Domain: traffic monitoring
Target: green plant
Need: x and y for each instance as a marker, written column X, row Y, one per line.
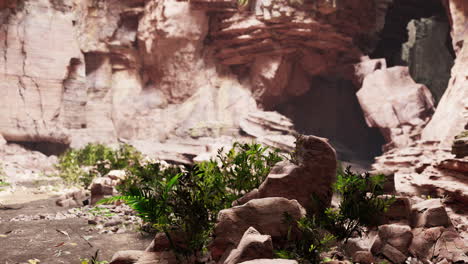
column 313, row 240
column 81, row 166
column 3, row 182
column 189, row 199
column 100, row 211
column 362, row 203
column 245, row 166
column 93, row 260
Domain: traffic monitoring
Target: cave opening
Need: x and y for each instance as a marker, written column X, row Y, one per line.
column 417, row 34
column 330, row 109
column 45, row 147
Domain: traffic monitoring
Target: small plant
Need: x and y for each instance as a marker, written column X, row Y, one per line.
column 93, row 260
column 100, row 211
column 313, row 240
column 246, row 166
column 3, row 182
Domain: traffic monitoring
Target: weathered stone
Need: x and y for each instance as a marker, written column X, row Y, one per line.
column 423, row 242
column 430, row 213
column 393, row 254
column 102, row 187
column 399, row 210
column 398, row 236
column 126, row 257
column 252, row 245
column 381, row 98
column 363, row 257
column 265, row 215
column 162, row 243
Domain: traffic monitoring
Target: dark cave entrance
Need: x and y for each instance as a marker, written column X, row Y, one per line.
column 46, row 148
column 417, row 34
column 330, row 109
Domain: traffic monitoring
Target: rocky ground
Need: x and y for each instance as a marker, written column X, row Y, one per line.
column 34, row 227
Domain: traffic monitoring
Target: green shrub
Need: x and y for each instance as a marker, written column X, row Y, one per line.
column 313, row 241
column 189, row 199
column 246, row 166
column 81, row 166
column 361, row 203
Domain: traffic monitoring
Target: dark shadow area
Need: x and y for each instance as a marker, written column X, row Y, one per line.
column 331, row 110
column 46, row 148
column 395, row 32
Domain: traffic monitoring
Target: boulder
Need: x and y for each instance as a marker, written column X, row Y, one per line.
column 161, row 242
column 429, row 213
column 102, row 187
column 363, row 257
column 315, row 173
column 252, row 245
column 126, row 256
column 142, row 257
column 399, row 210
column 395, row 104
column 397, row 236
column 73, row 198
column 265, row 215
column 393, row 254
column 423, row 242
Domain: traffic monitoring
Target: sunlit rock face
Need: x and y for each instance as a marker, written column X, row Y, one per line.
column 451, row 115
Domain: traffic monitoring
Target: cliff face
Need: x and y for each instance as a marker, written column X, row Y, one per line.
column 75, row 71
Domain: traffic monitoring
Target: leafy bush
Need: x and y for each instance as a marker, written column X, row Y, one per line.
column 361, row 203
column 246, row 166
column 83, row 165
column 189, row 199
column 361, row 206
column 313, row 240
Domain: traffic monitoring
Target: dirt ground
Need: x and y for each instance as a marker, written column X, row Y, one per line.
column 57, row 241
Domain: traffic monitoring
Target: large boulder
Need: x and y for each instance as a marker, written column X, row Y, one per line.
column 265, row 215
column 314, row 173
column 430, row 213
column 395, row 104
column 437, row 244
column 252, row 245
column 393, row 242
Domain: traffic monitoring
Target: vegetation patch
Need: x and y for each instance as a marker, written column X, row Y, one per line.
column 81, row 166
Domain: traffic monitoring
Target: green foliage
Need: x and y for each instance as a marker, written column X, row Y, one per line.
column 312, row 242
column 93, row 260
column 246, row 166
column 189, row 199
column 3, row 182
column 98, row 159
column 361, row 203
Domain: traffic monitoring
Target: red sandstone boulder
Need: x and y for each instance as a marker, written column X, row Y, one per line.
column 395, row 104
column 265, row 215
